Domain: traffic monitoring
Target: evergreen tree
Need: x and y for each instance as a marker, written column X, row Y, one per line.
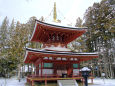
column 79, row 22
column 4, row 34
column 79, row 44
column 18, row 44
column 100, row 20
column 3, row 46
column 30, row 26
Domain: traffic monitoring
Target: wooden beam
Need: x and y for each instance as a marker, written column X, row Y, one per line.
column 59, row 61
column 38, row 61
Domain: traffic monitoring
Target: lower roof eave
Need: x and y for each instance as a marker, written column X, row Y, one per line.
column 34, row 54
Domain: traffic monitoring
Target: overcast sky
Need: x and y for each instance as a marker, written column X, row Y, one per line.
column 22, row 10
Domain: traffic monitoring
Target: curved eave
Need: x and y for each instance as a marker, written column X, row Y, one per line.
column 32, row 55
column 62, row 27
column 40, row 26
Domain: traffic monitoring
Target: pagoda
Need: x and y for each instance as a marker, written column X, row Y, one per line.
column 54, row 61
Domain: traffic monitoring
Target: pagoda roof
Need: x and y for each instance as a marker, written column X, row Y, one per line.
column 33, row 54
column 50, row 33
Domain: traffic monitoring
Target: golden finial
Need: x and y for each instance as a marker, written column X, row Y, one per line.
column 55, row 13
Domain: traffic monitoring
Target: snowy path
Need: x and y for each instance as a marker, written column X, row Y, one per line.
column 14, row 82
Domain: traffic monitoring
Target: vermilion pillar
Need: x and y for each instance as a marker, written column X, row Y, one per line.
column 41, row 68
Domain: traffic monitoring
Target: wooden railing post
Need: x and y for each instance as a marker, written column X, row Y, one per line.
column 45, row 82
column 32, row 82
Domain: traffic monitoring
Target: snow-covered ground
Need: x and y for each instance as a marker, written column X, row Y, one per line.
column 103, row 82
column 14, row 82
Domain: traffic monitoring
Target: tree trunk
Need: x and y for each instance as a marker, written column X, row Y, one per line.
column 19, row 72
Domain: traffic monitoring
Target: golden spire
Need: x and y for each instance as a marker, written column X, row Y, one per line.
column 55, row 13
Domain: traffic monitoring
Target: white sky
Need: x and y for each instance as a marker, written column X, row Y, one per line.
column 22, row 10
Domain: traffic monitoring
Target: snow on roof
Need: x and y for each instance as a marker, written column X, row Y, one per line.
column 58, row 48
column 33, row 31
column 60, row 24
column 25, row 55
column 85, row 69
column 61, row 52
column 63, row 26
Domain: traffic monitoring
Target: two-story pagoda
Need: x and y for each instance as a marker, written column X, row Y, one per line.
column 55, row 61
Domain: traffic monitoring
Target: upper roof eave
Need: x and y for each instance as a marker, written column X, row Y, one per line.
column 67, row 27
column 57, row 28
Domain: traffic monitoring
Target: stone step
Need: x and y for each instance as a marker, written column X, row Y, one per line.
column 67, row 83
